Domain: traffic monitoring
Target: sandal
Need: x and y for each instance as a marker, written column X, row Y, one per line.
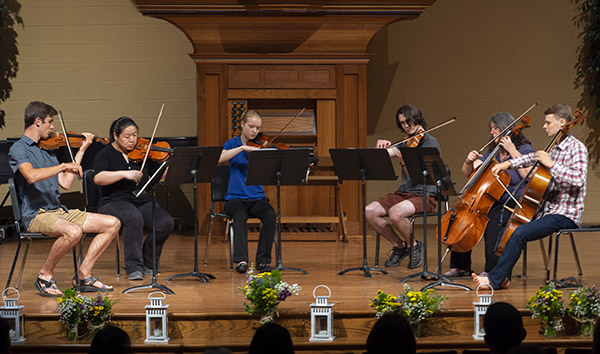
column 454, row 272
column 44, row 285
column 87, row 285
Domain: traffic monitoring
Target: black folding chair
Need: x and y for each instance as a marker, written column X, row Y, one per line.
column 218, row 189
column 92, row 197
column 28, row 236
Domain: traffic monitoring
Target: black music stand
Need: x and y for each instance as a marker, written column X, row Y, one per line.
column 151, row 184
column 278, row 167
column 362, row 165
column 188, row 161
column 426, row 163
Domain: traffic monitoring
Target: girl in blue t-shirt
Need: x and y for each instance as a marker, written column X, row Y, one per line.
column 242, row 201
column 511, row 147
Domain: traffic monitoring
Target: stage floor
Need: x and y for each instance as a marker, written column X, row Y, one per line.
column 323, row 260
column 220, row 302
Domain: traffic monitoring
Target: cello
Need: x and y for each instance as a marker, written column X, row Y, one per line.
column 464, row 224
column 535, row 191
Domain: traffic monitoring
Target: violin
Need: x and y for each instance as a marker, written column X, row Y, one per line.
column 534, row 193
column 55, row 140
column 263, row 141
column 464, row 224
column 160, row 151
column 416, row 139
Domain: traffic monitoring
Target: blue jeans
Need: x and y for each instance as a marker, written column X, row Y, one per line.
column 533, row 230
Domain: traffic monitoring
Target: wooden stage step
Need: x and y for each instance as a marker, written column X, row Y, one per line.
column 203, row 315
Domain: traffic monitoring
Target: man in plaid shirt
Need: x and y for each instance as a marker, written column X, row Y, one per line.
column 563, row 208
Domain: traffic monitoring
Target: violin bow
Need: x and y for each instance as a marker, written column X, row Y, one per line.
column 451, row 120
column 285, row 126
column 62, row 123
column 509, row 126
column 152, row 138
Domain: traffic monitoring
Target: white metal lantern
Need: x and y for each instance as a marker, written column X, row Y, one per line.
column 156, row 319
column 321, row 318
column 13, row 313
column 480, row 309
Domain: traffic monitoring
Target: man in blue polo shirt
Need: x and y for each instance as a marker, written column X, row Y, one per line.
column 37, row 176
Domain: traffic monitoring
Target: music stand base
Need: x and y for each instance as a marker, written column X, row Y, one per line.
column 366, row 269
column 202, row 276
column 154, row 285
column 282, row 268
column 424, row 275
column 444, row 283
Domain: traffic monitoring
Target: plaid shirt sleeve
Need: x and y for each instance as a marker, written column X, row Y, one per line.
column 570, row 165
column 522, row 161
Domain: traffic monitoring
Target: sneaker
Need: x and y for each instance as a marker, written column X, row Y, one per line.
column 242, row 267
column 137, row 275
column 264, row 267
column 417, row 258
column 398, row 254
column 147, row 271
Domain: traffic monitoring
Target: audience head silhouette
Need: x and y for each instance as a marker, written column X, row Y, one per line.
column 503, row 327
column 527, row 349
column 271, row 338
column 4, row 336
column 111, row 339
column 391, row 334
column 596, row 343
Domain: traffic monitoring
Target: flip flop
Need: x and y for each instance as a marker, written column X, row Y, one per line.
column 86, row 285
column 43, row 285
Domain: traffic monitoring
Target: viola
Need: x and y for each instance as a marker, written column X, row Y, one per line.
column 464, row 224
column 55, row 141
column 160, row 151
column 535, row 191
column 264, row 141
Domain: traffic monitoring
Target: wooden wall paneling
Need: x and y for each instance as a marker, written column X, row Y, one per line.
column 351, row 133
column 212, row 124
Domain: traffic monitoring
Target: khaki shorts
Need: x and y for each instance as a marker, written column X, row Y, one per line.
column 389, row 200
column 44, row 221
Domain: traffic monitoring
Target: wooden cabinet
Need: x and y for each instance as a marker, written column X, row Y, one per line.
column 285, row 56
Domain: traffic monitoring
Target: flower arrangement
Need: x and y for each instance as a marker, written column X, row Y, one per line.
column 385, row 303
column 547, row 305
column 76, row 310
column 415, row 306
column 420, row 304
column 584, row 306
column 265, row 291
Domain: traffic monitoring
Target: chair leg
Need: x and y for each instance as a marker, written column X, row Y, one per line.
column 118, row 247
column 549, row 258
column 575, row 255
column 22, row 268
column 230, row 228
column 556, row 256
column 524, row 274
column 76, row 266
column 377, row 240
column 14, row 263
column 208, row 236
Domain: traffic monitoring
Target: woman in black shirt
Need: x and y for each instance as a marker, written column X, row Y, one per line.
column 118, row 178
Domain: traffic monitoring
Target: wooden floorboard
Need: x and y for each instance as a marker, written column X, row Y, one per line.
column 216, row 308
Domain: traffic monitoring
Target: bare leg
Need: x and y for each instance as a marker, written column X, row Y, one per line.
column 375, row 215
column 107, row 227
column 69, row 235
column 400, row 216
